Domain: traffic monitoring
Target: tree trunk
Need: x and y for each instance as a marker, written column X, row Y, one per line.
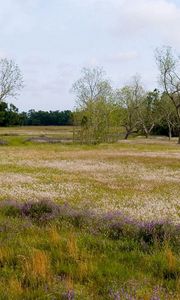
column 126, row 136
column 178, row 114
column 146, row 131
column 179, row 137
column 169, row 132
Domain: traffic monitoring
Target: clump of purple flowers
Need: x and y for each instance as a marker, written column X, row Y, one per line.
column 157, row 293
column 117, row 225
column 155, row 231
column 114, row 225
column 41, row 211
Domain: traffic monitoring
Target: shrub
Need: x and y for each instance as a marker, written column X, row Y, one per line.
column 41, row 211
column 156, row 232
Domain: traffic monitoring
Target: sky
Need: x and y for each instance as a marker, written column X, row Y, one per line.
column 51, row 41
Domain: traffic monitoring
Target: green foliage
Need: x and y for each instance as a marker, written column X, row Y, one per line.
column 95, row 122
column 46, row 118
column 127, row 100
column 9, row 116
column 101, row 112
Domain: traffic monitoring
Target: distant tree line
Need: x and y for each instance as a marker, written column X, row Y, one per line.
column 10, row 116
column 11, row 83
column 46, row 118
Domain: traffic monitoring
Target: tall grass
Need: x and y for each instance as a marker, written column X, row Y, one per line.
column 108, row 256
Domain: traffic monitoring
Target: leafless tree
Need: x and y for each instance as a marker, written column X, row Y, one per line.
column 91, row 86
column 11, row 80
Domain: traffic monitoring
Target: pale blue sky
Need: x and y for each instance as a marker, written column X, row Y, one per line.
column 52, row 40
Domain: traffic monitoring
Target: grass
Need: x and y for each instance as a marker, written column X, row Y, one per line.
column 49, row 260
column 69, row 257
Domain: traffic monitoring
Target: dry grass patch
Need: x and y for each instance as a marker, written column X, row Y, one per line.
column 37, row 267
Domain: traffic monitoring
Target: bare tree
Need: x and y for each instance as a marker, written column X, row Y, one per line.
column 168, row 64
column 91, row 86
column 10, row 79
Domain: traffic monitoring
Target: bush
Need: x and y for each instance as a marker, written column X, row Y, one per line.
column 157, row 232
column 41, row 211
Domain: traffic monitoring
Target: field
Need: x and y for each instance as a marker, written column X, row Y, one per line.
column 88, row 222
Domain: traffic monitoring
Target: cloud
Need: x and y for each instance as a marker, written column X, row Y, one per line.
column 151, row 12
column 141, row 19
column 122, row 57
column 148, row 18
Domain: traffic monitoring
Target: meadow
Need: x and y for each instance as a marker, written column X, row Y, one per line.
column 88, row 222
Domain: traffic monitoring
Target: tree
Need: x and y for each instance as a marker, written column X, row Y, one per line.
column 3, row 111
column 12, row 115
column 94, row 122
column 129, row 99
column 127, row 107
column 140, row 107
column 168, row 64
column 8, row 114
column 168, row 114
column 10, row 79
column 94, row 97
column 91, row 86
column 147, row 111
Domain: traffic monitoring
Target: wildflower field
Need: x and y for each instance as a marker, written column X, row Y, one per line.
column 88, row 222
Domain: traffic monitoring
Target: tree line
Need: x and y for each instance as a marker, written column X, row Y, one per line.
column 123, row 112
column 102, row 111
column 10, row 116
column 103, row 114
